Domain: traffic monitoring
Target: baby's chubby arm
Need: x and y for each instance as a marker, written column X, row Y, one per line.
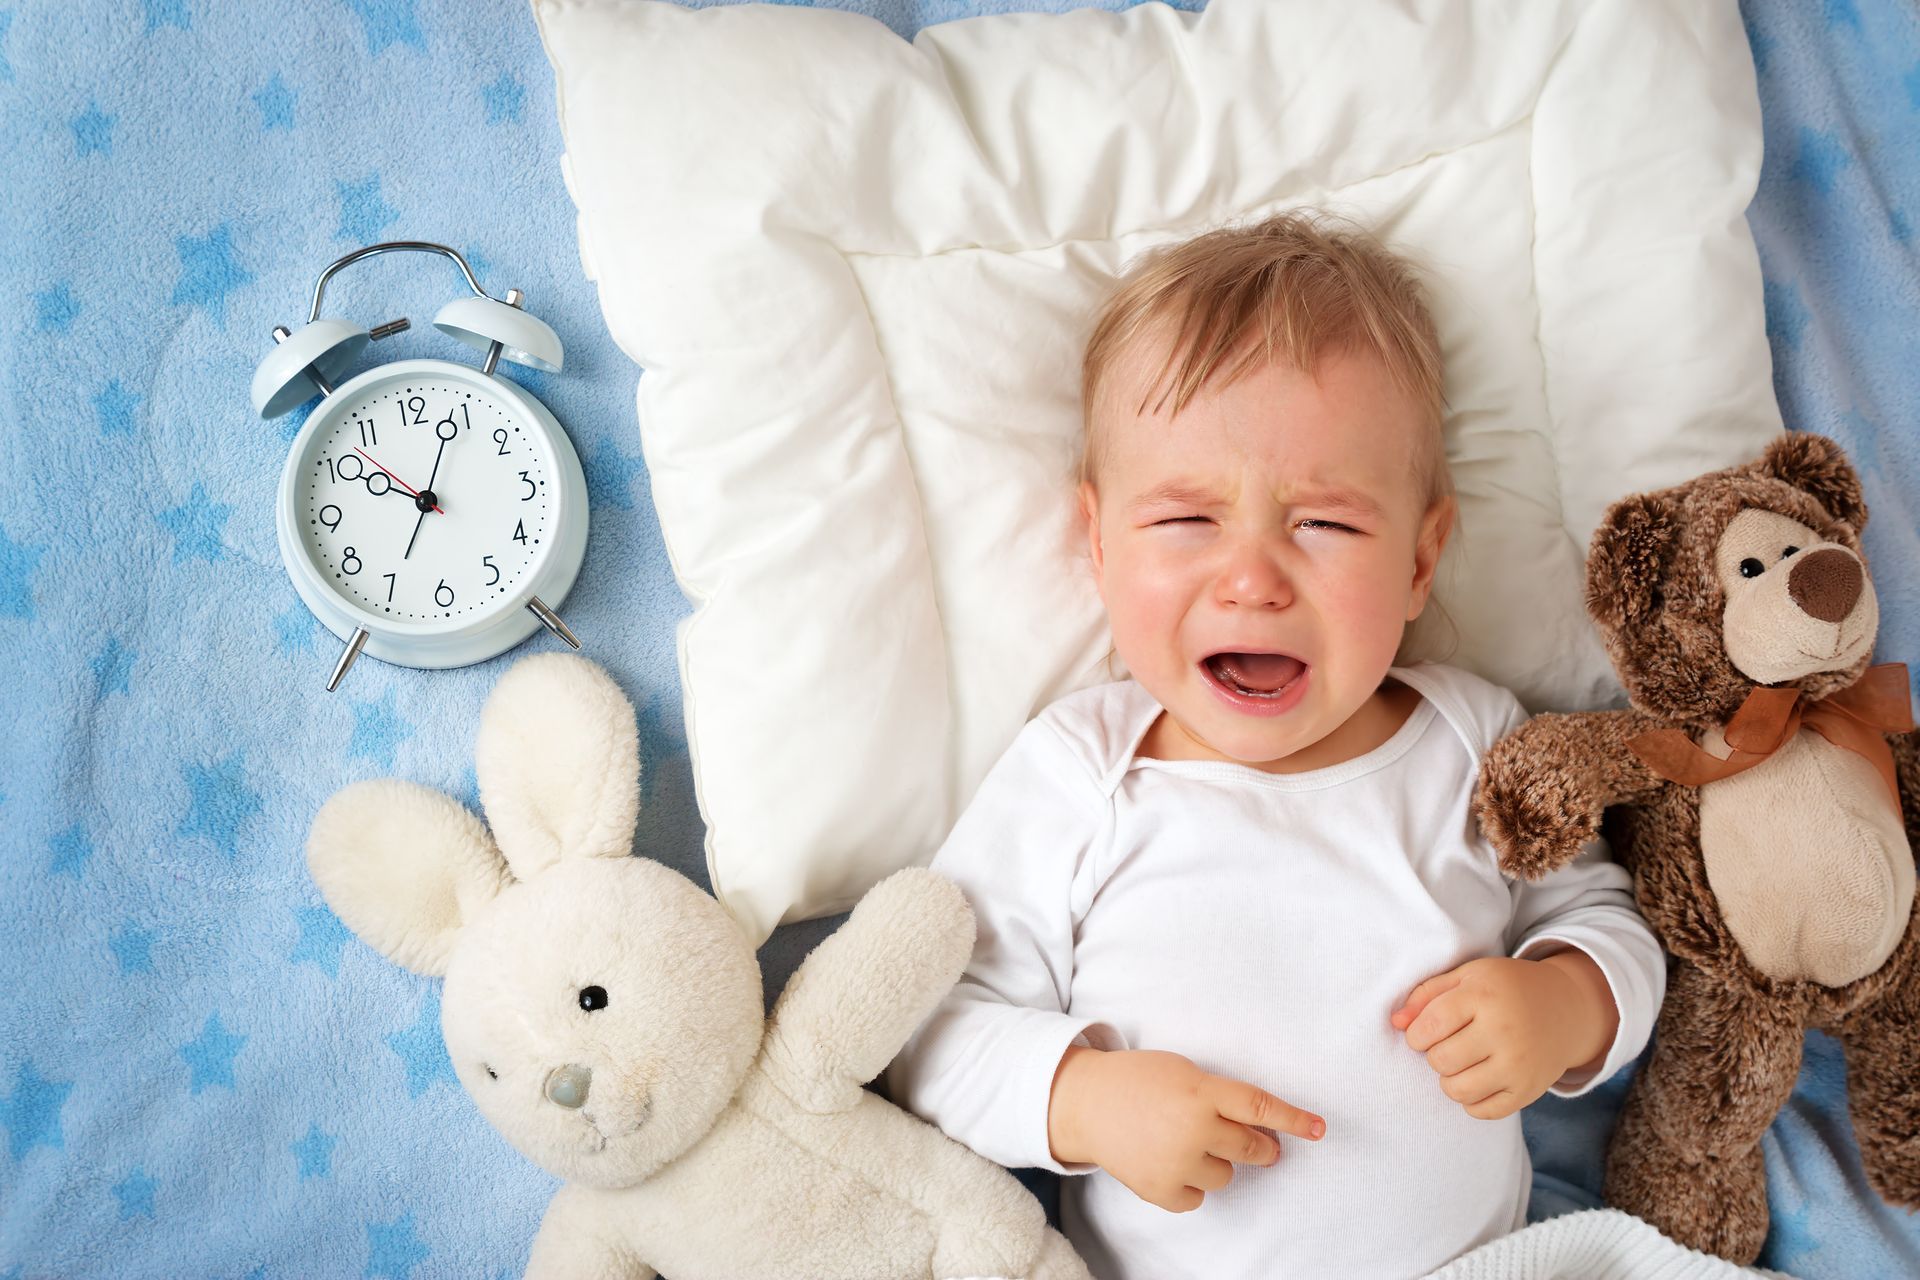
column 1164, row 1128
column 1500, row 1031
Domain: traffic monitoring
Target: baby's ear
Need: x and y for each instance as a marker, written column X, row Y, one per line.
column 405, row 867
column 559, row 763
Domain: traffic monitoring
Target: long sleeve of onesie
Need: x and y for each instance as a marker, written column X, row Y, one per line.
column 982, row 1066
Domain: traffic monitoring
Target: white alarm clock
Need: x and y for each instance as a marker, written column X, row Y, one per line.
column 432, row 514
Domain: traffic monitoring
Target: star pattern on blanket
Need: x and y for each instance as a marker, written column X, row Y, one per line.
column 422, row 1050
column 208, row 271
column 31, row 1112
column 505, row 99
column 221, row 802
column 315, row 1153
column 93, row 131
column 210, row 1056
column 294, row 631
column 133, row 948
column 114, row 406
column 610, row 474
column 55, row 308
column 71, row 850
column 388, row 22
column 167, row 13
column 275, row 101
column 135, row 1194
column 321, row 938
column 363, row 213
column 18, row 560
column 394, row 1248
column 1819, row 160
column 112, row 667
column 378, row 731
column 196, row 526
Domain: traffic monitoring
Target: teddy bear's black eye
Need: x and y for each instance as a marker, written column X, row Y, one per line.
column 1789, row 551
column 592, row 998
column 1751, row 568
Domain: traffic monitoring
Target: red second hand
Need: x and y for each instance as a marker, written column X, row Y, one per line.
column 396, row 479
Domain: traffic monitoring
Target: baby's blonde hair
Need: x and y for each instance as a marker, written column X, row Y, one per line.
column 1291, row 288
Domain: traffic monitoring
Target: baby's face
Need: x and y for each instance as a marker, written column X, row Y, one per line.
column 1261, row 554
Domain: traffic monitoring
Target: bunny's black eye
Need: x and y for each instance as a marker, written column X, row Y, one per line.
column 1751, row 568
column 491, row 1073
column 592, row 998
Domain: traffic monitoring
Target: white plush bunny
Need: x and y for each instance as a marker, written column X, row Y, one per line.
column 606, row 1016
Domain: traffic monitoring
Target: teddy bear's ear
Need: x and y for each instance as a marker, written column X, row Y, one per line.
column 405, row 867
column 1818, row 467
column 559, row 763
column 1627, row 561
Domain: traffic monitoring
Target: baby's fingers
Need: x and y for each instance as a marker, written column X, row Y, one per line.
column 1250, row 1104
column 1442, row 1017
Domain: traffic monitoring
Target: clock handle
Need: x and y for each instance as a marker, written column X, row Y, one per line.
column 551, row 620
column 346, row 659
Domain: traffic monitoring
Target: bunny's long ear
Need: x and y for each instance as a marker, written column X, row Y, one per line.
column 559, row 763
column 405, row 867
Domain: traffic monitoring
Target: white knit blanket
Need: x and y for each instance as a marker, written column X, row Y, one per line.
column 1596, row 1244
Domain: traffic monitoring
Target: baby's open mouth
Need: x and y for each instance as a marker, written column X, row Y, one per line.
column 1255, row 675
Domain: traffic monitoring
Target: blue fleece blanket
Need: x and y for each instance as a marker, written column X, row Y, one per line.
column 200, row 1072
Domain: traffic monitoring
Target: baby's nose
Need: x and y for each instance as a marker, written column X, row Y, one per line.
column 567, row 1086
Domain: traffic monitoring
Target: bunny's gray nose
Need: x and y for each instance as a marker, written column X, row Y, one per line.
column 567, row 1086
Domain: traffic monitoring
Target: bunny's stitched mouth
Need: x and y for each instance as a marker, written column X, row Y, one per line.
column 600, row 1133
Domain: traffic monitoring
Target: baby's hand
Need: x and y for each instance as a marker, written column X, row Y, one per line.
column 1499, row 1032
column 1167, row 1130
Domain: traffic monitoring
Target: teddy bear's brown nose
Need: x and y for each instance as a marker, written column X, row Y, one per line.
column 1826, row 583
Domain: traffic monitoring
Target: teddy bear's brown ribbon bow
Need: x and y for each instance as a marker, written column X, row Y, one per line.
column 1855, row 718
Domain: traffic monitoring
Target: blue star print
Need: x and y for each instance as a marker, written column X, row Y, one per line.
column 55, row 309
column 505, row 99
column 1821, row 157
column 377, row 731
column 166, row 13
column 388, row 22
column 610, row 472
column 222, row 801
column 321, row 937
column 394, row 1248
column 32, row 1112
column 111, row 667
column 295, row 630
column 114, row 405
column 208, row 272
column 71, row 849
column 133, row 948
column 210, row 1055
column 422, row 1050
column 196, row 525
column 135, row 1194
column 17, row 563
column 315, row 1154
column 1786, row 315
column 276, row 105
column 362, row 212
column 93, row 131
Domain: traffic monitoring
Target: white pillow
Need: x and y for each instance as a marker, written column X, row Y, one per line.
column 859, row 274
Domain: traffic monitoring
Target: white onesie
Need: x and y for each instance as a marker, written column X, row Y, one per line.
column 1265, row 926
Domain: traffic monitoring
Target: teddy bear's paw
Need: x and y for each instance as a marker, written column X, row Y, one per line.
column 1715, row 1206
column 1534, row 824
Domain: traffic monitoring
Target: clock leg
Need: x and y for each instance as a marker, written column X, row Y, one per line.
column 346, row 659
column 552, row 621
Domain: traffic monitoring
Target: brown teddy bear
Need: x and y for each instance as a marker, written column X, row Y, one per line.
column 1764, row 791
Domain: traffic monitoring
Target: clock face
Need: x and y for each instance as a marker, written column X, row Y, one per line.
column 424, row 498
